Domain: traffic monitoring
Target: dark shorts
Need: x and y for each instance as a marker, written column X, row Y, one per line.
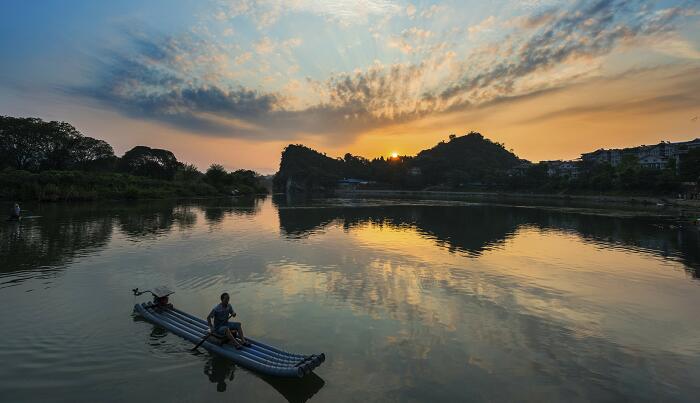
column 231, row 325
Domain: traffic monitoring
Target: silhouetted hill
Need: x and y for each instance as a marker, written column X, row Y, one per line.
column 466, row 160
column 302, row 168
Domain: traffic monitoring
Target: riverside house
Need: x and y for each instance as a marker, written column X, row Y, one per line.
column 655, row 156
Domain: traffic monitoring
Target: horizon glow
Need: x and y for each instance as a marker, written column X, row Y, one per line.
column 233, row 82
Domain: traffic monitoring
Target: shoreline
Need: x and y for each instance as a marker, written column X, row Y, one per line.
column 606, row 201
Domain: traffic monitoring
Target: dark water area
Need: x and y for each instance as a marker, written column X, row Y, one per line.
column 410, row 301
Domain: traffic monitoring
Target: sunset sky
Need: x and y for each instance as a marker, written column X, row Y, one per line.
column 235, row 81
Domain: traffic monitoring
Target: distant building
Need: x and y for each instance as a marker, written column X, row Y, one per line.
column 652, row 162
column 415, row 171
column 568, row 169
column 351, row 184
column 652, row 157
column 612, row 157
column 520, row 169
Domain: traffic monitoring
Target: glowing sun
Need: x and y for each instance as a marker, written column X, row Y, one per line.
column 394, row 154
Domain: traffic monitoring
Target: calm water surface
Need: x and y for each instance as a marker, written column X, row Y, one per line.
column 410, row 301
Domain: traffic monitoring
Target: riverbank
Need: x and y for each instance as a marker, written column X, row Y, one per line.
column 601, row 201
column 54, row 186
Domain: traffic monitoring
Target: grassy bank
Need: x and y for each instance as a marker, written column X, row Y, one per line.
column 599, row 200
column 78, row 186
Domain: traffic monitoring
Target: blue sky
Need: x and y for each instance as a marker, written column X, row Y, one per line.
column 220, row 80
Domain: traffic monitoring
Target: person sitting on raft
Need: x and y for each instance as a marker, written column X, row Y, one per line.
column 222, row 326
column 16, row 211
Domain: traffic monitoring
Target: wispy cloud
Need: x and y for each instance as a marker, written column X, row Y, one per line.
column 192, row 83
column 590, row 29
column 487, row 24
column 267, row 12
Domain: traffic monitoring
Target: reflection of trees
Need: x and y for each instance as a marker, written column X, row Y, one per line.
column 472, row 229
column 488, row 316
column 215, row 210
column 48, row 243
column 650, row 234
column 148, row 220
column 156, row 218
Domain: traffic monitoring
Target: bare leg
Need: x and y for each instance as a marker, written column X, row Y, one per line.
column 232, row 339
column 240, row 332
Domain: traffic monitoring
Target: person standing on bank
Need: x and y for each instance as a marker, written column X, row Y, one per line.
column 222, row 326
column 16, row 212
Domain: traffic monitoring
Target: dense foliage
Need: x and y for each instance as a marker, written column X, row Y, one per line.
column 79, row 185
column 150, row 162
column 242, row 181
column 53, row 161
column 462, row 161
column 465, row 160
column 303, row 167
column 474, row 162
column 690, row 166
column 626, row 178
column 34, row 145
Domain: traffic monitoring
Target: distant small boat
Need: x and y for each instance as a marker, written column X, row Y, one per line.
column 22, row 217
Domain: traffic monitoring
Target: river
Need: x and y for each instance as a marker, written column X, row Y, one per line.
column 409, row 300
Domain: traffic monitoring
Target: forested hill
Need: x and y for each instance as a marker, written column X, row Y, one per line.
column 471, row 158
column 468, row 159
column 304, row 168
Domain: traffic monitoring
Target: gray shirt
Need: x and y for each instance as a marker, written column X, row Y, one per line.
column 220, row 314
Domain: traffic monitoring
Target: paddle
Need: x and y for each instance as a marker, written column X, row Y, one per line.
column 207, row 336
column 22, row 214
column 202, row 341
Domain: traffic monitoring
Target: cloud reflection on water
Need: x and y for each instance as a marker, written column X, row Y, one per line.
column 413, row 302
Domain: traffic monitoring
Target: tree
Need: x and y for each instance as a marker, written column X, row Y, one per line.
column 465, row 159
column 33, row 144
column 89, row 154
column 628, row 172
column 690, row 166
column 602, row 177
column 56, row 141
column 216, row 175
column 150, row 162
column 245, row 181
column 534, row 176
column 188, row 173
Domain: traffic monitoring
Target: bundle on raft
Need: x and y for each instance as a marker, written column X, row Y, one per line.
column 258, row 356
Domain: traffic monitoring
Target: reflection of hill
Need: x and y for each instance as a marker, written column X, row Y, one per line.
column 472, row 229
column 469, row 230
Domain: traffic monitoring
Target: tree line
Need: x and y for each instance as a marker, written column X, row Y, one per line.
column 474, row 162
column 628, row 177
column 36, row 148
column 469, row 160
